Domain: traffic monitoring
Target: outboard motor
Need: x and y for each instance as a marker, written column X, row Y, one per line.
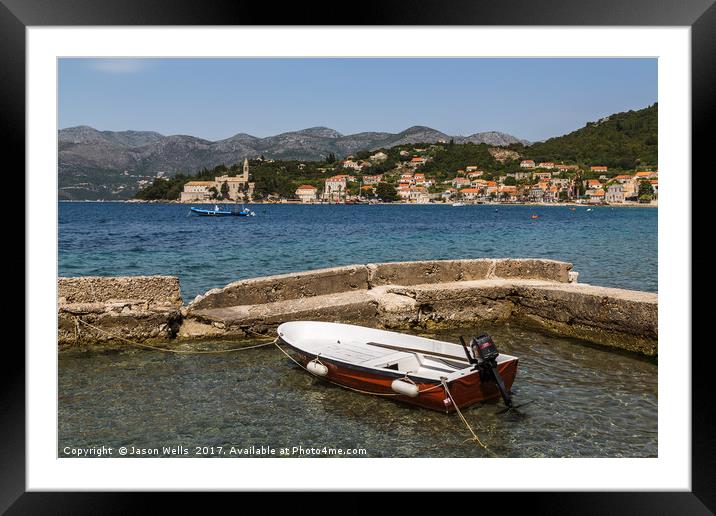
column 484, row 349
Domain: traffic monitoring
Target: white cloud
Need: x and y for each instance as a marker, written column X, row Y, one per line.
column 120, row 65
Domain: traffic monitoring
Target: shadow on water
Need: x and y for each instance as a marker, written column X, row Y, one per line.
column 579, row 401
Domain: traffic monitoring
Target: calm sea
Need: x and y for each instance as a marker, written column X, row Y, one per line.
column 576, row 401
column 614, row 247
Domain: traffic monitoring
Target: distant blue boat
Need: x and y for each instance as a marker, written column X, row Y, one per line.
column 216, row 212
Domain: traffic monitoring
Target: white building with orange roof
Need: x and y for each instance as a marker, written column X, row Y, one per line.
column 372, row 180
column 596, row 195
column 560, row 182
column 567, row 168
column 551, row 194
column 543, row 175
column 306, row 193
column 419, row 195
column 519, row 175
column 527, row 163
column 460, row 182
column 417, row 161
column 623, row 178
column 508, row 192
column 599, row 168
column 655, row 186
column 470, row 194
column 335, row 188
column 546, row 164
column 403, row 190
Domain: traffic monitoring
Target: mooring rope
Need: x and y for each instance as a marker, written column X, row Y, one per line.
column 459, row 413
column 176, row 351
column 275, row 342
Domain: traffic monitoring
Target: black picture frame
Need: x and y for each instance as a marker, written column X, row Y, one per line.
column 700, row 15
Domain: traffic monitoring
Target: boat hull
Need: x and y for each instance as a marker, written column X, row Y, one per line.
column 466, row 390
column 220, row 213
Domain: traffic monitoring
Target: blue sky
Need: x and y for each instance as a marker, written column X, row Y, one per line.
column 217, row 98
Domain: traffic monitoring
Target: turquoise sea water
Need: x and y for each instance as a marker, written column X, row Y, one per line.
column 577, row 400
column 614, row 247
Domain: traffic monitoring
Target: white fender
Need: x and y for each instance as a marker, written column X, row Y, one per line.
column 317, row 368
column 405, row 388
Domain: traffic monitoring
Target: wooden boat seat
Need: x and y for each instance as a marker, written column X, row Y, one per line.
column 358, row 353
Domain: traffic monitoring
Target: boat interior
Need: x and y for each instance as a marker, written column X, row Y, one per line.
column 392, row 351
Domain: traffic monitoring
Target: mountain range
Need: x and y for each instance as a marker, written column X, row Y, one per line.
column 95, row 164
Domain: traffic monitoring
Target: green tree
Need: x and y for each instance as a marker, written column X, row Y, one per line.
column 645, row 188
column 386, row 192
column 510, row 181
column 225, row 190
column 646, row 191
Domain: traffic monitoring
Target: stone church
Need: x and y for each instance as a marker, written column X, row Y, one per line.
column 240, row 189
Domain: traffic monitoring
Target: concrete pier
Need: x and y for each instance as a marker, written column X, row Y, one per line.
column 403, row 295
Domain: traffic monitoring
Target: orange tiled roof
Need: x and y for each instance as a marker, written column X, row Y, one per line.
column 199, row 183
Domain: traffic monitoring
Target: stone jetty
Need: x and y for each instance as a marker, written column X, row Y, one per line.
column 419, row 295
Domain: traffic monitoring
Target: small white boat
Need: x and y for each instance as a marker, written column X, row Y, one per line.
column 426, row 372
column 458, row 204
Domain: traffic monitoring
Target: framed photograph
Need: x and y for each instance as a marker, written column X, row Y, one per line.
column 258, row 241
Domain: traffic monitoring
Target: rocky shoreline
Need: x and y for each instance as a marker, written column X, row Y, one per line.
column 98, row 312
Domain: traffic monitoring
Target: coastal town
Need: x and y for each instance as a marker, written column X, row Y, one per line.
column 350, row 182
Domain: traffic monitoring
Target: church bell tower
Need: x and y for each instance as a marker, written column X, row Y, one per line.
column 246, row 169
